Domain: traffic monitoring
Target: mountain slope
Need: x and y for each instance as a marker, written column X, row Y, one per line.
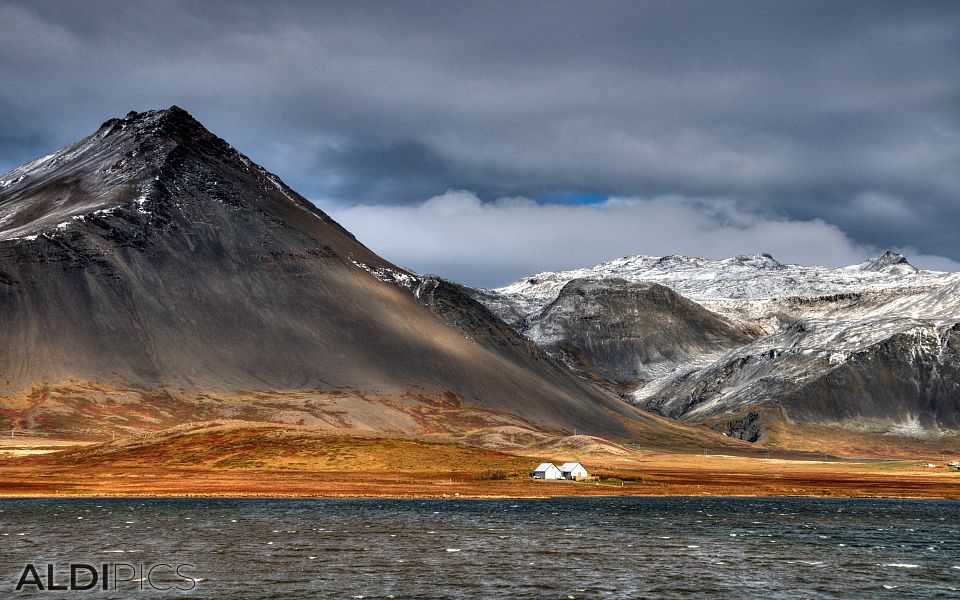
column 154, row 255
column 629, row 331
column 905, row 382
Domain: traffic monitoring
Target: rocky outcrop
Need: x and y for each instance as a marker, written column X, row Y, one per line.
column 630, row 332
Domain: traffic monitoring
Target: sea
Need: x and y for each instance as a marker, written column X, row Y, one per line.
column 652, row 547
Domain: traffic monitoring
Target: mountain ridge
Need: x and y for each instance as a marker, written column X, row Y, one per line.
column 815, row 328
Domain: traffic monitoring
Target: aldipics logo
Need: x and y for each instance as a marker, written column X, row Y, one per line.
column 78, row 577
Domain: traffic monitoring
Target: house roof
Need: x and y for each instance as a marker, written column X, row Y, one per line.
column 545, row 467
column 567, row 467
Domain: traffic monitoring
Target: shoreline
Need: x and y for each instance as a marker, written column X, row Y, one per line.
column 187, row 496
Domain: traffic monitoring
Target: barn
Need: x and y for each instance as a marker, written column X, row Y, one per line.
column 547, row 471
column 573, row 471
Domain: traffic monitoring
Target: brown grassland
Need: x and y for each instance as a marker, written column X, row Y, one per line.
column 231, row 458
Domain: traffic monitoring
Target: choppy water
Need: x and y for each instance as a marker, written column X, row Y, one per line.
column 562, row 548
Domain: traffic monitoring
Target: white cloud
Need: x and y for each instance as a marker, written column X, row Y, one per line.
column 459, row 236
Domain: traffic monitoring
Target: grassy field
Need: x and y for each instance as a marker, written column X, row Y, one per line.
column 250, row 459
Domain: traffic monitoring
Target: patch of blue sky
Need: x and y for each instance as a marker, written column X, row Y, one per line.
column 575, row 198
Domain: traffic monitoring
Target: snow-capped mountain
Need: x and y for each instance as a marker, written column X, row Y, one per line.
column 871, row 347
column 754, row 288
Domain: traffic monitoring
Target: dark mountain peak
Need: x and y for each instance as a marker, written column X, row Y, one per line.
column 893, row 258
column 120, row 164
column 155, row 165
column 160, row 128
column 889, row 260
column 600, row 285
column 172, row 115
column 757, row 261
column 174, row 109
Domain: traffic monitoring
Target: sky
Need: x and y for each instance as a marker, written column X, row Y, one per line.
column 487, row 141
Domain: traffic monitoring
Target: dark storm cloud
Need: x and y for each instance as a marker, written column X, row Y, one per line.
column 840, row 111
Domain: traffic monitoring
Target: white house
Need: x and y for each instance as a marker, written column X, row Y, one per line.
column 573, row 471
column 547, row 471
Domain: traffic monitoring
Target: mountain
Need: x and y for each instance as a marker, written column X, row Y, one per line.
column 150, row 274
column 628, row 331
column 871, row 348
column 888, row 262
